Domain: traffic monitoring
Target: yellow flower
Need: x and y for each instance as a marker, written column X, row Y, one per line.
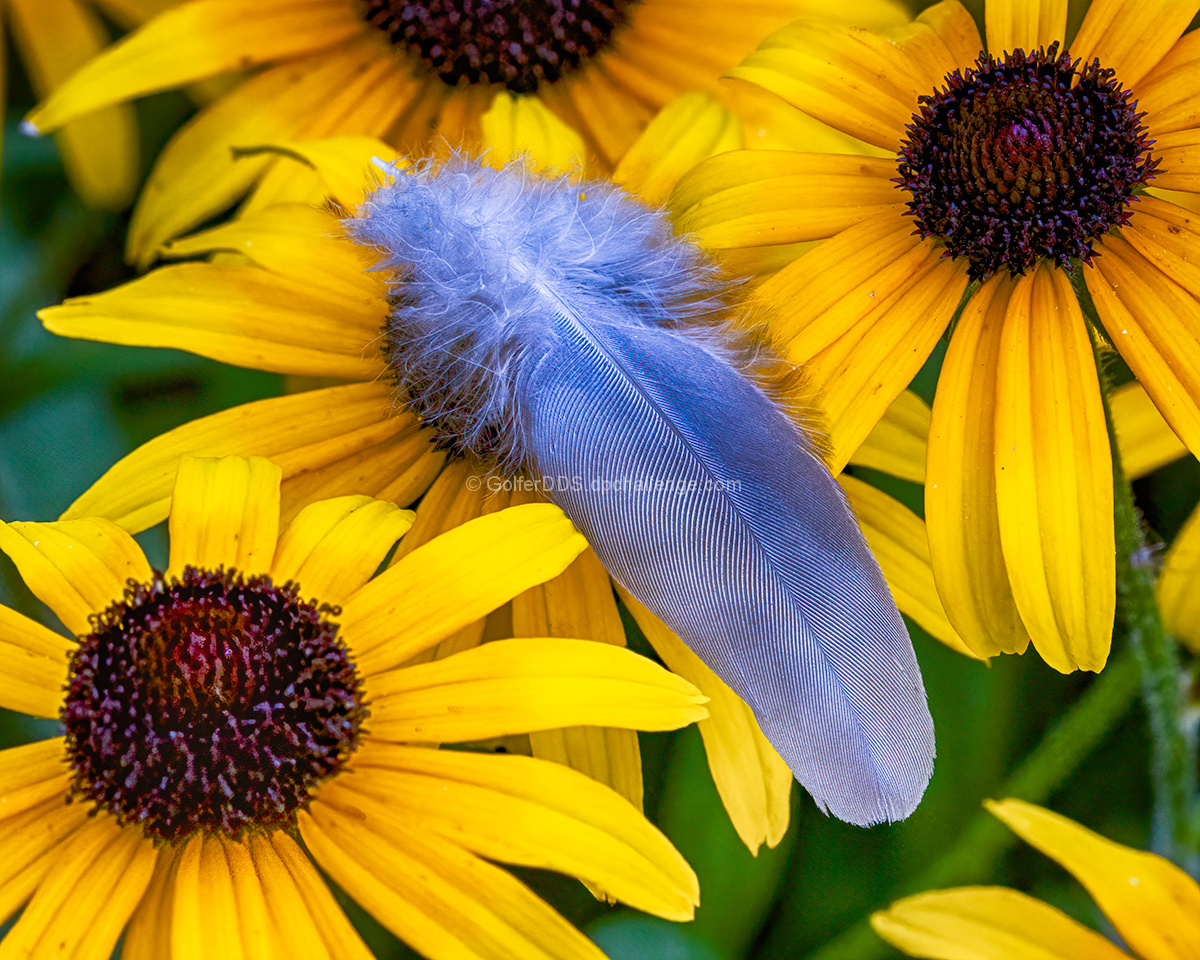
column 285, row 291
column 55, row 38
column 260, row 693
column 1004, row 174
column 409, row 73
column 1153, row 905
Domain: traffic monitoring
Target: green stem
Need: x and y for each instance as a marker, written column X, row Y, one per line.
column 1172, row 731
column 985, row 839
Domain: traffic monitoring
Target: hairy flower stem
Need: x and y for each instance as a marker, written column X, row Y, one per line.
column 985, row 839
column 1172, row 731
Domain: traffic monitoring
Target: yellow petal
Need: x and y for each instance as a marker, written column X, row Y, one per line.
column 78, row 568
column 33, row 842
column 1130, row 36
column 301, row 242
column 32, row 774
column 1179, row 584
column 455, row 580
column 686, row 131
column 99, row 152
column 580, row 603
column 988, row 923
column 1143, row 437
column 255, row 929
column 865, row 82
column 225, row 513
column 514, row 686
column 333, row 546
column 1155, row 324
column 101, row 875
column 524, row 811
column 1179, row 152
column 1167, row 92
column 302, row 433
column 522, row 126
column 1154, row 905
column 752, row 780
column 1024, row 24
column 898, row 442
column 148, row 935
column 200, row 172
column 298, row 892
column 204, row 921
column 343, row 164
column 196, row 40
column 960, row 484
column 33, row 665
column 1054, row 491
column 442, row 900
column 751, row 198
column 862, row 312
column 898, row 540
column 236, row 314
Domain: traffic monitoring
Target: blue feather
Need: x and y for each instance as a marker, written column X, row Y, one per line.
column 562, row 329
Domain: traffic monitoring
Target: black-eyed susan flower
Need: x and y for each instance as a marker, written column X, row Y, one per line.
column 287, row 292
column 1008, row 172
column 409, row 73
column 99, row 152
column 253, row 714
column 1153, row 905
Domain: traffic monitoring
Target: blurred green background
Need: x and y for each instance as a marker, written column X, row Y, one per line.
column 70, row 409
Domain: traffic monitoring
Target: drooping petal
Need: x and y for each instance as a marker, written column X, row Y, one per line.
column 988, row 923
column 204, row 910
column 455, row 580
column 960, row 502
column 899, row 442
column 33, row 665
column 1131, row 36
column 1143, row 437
column 1178, row 584
column 686, row 131
column 444, row 901
column 197, row 40
column 1024, row 25
column 76, row 567
column 333, row 547
column 752, row 198
column 99, row 151
column 309, row 435
column 1155, row 324
column 516, row 126
column 862, row 312
column 752, row 779
column 524, row 811
column 295, row 889
column 99, row 877
column 899, row 542
column 227, row 514
column 515, row 686
column 579, row 603
column 33, row 842
column 235, row 314
column 1054, row 491
column 1153, row 904
column 148, row 935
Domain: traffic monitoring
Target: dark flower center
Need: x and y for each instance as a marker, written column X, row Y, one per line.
column 519, row 43
column 1030, row 157
column 213, row 702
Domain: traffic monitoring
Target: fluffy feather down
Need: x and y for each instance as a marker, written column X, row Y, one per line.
column 561, row 328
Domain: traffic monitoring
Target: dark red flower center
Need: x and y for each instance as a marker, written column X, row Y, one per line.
column 214, row 702
column 1027, row 158
column 519, row 43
